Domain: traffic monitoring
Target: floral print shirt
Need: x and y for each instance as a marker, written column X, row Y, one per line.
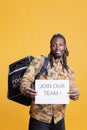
column 45, row 112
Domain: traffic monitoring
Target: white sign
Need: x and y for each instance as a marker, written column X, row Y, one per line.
column 52, row 91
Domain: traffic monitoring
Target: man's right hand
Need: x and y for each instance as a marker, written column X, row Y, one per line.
column 30, row 93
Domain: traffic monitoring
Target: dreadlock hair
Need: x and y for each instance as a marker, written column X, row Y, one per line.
column 66, row 53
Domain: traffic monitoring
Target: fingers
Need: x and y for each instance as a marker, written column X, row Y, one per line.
column 31, row 93
column 74, row 95
column 74, row 98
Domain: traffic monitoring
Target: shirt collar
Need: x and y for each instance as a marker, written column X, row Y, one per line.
column 58, row 60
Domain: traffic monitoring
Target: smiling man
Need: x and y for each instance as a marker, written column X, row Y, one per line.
column 49, row 116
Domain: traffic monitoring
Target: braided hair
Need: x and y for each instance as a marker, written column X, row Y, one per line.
column 66, row 52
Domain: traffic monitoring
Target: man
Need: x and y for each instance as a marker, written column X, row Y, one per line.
column 49, row 116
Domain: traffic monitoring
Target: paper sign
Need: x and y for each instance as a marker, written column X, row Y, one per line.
column 52, row 91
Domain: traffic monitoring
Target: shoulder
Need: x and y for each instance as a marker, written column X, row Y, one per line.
column 37, row 60
column 71, row 72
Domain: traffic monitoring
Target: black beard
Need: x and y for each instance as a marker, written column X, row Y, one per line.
column 56, row 57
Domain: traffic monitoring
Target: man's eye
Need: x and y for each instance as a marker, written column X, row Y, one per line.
column 53, row 45
column 61, row 44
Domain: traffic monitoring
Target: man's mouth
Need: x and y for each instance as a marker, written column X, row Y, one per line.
column 58, row 52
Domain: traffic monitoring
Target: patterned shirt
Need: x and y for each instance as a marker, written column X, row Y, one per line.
column 45, row 112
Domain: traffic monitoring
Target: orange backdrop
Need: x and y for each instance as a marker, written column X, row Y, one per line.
column 26, row 27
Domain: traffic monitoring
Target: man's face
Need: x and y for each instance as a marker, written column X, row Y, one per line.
column 58, row 47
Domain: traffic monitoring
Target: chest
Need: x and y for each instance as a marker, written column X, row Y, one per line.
column 55, row 72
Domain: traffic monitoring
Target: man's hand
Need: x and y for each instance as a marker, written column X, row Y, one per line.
column 74, row 95
column 30, row 93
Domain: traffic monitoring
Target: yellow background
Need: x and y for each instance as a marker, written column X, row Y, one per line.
column 26, row 27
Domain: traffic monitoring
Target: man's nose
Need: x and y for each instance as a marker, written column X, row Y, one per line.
column 57, row 46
